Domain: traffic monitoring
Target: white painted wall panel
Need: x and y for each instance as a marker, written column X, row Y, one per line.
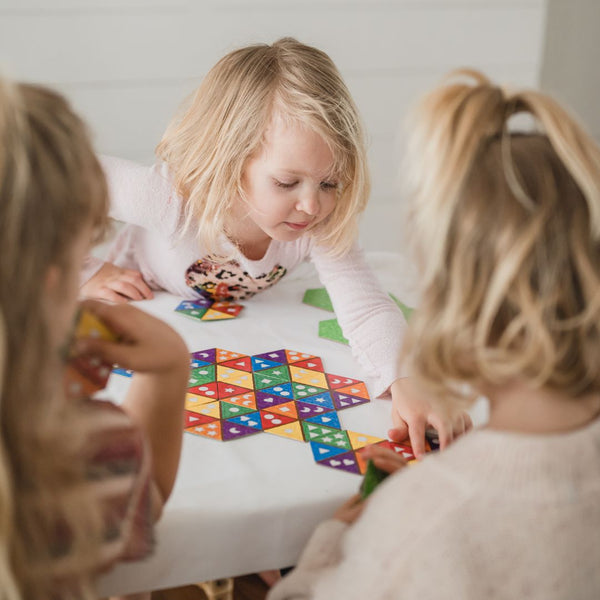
column 126, row 64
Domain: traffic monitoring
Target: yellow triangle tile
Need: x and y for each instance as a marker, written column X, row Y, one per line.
column 235, row 377
column 292, row 430
column 211, row 409
column 215, row 315
column 360, row 440
column 308, row 377
column 194, row 400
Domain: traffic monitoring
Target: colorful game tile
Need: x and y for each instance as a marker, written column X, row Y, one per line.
column 319, row 298
column 204, row 309
column 330, row 329
column 85, row 375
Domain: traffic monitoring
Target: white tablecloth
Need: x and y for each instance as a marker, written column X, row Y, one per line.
column 251, row 504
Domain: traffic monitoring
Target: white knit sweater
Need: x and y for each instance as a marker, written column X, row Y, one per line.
column 496, row 516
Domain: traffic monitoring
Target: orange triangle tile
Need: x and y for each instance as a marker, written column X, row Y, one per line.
column 356, row 389
column 210, row 430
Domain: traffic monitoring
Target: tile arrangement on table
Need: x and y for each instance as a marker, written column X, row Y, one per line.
column 205, row 309
column 283, row 392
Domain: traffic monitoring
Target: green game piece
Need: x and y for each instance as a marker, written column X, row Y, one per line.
column 373, row 477
column 331, row 330
column 201, row 375
column 406, row 310
column 270, row 377
column 318, row 297
column 229, row 410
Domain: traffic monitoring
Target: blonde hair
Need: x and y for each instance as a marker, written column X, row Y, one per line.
column 223, row 125
column 51, row 187
column 507, row 225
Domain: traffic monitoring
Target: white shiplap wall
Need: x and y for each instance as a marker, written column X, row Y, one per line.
column 126, row 64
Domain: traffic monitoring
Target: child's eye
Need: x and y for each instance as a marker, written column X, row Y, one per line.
column 285, row 184
column 328, row 185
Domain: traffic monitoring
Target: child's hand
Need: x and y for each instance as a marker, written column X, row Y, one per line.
column 350, row 510
column 412, row 413
column 383, row 458
column 116, row 285
column 145, row 344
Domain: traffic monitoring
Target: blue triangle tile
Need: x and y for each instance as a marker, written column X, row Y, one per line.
column 329, row 419
column 322, row 451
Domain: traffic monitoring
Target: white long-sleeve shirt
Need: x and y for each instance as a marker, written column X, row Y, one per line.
column 151, row 242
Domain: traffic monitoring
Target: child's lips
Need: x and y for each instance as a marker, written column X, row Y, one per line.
column 298, row 226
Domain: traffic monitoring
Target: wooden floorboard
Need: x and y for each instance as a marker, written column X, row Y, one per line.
column 247, row 587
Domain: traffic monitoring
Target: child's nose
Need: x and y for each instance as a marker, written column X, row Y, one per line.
column 309, row 203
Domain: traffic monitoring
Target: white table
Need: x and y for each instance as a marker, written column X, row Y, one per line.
column 251, row 504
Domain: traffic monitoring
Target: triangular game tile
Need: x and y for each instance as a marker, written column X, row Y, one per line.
column 342, row 401
column 191, row 419
column 360, row 440
column 270, row 377
column 206, row 356
column 312, row 364
column 319, row 298
column 337, row 381
column 323, row 399
column 294, row 356
column 306, row 410
column 210, row 430
column 260, row 364
column 343, row 462
column 265, row 400
column 329, row 419
column 226, row 355
column 283, row 389
column 225, row 390
column 201, row 375
column 241, row 364
column 233, row 410
column 215, row 315
column 246, row 400
column 322, row 451
column 356, row 389
column 206, row 390
column 287, row 409
column 270, row 419
column 308, row 377
column 234, row 431
column 301, row 390
column 228, row 308
column 211, row 409
column 276, row 356
column 292, row 431
column 194, row 402
column 249, row 420
column 234, row 376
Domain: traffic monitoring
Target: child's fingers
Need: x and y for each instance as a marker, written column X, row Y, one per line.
column 111, row 352
column 384, row 458
column 136, row 280
column 445, row 432
column 127, row 289
column 416, row 432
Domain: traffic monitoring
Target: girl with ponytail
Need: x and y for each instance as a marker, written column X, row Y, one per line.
column 81, row 480
column 505, row 218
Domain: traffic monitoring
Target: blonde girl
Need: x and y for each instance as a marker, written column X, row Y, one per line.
column 81, row 481
column 264, row 167
column 507, row 224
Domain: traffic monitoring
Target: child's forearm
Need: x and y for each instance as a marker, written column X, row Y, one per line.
column 155, row 402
